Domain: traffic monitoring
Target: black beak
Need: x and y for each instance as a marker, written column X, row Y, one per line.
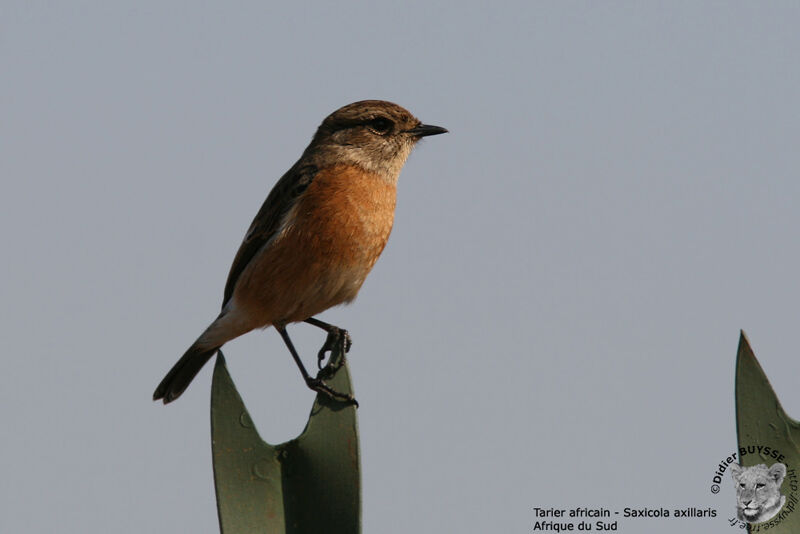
column 426, row 129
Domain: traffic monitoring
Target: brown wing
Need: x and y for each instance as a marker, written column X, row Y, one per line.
column 267, row 222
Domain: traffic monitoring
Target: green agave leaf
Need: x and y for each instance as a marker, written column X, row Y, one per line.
column 309, row 485
column 761, row 420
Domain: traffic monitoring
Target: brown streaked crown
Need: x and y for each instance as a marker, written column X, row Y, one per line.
column 368, row 112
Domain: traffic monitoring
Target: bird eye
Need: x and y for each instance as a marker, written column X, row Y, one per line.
column 380, row 126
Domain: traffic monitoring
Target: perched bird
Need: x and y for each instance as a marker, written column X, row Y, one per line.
column 315, row 238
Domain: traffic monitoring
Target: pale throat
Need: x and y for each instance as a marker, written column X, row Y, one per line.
column 386, row 166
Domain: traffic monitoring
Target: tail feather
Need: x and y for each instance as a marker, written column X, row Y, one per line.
column 182, row 373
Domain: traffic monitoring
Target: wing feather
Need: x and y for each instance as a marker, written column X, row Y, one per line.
column 267, row 222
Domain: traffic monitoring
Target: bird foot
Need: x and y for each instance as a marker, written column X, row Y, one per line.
column 338, row 338
column 320, row 386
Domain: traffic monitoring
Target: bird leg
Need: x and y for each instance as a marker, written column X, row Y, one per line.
column 338, row 338
column 316, row 384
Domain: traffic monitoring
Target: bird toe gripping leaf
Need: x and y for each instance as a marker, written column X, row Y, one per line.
column 761, row 421
column 310, row 484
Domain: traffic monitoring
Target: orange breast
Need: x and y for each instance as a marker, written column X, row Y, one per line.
column 347, row 214
column 335, row 235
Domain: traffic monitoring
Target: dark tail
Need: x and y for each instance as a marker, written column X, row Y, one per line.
column 182, row 373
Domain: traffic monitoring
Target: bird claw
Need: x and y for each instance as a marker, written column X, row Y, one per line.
column 320, row 386
column 337, row 339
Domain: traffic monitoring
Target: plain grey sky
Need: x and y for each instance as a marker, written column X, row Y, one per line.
column 554, row 320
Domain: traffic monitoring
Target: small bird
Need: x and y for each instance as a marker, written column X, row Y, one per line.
column 315, row 238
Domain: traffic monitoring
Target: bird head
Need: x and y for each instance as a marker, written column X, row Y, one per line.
column 373, row 134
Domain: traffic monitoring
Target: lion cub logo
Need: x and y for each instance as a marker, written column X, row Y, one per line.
column 758, row 498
